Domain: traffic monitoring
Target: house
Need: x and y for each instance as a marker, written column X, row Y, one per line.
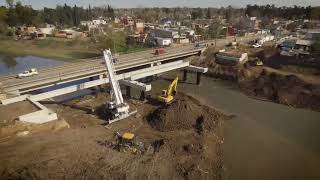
column 99, row 21
column 139, row 27
column 68, row 34
column 26, row 30
column 166, row 33
column 128, row 21
column 48, row 30
column 94, row 23
column 89, row 24
column 313, row 34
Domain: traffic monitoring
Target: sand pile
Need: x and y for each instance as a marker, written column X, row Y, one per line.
column 184, row 113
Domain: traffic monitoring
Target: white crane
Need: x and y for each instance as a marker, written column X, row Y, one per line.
column 117, row 108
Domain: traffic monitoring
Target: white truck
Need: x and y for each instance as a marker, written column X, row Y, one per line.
column 163, row 41
column 28, row 73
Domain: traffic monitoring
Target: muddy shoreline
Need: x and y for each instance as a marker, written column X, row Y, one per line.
column 284, row 80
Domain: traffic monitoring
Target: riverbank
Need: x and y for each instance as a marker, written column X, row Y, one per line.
column 58, row 49
column 77, row 145
column 290, row 83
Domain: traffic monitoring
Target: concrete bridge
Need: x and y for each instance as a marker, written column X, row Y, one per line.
column 92, row 68
column 129, row 67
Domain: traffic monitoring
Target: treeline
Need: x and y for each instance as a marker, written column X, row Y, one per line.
column 295, row 12
column 16, row 14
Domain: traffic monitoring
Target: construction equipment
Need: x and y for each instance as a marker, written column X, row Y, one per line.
column 168, row 95
column 117, row 109
column 258, row 62
column 128, row 143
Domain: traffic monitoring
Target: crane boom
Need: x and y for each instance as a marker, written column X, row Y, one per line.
column 117, row 109
column 112, row 77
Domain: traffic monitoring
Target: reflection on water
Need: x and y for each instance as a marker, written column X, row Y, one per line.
column 13, row 65
column 9, row 61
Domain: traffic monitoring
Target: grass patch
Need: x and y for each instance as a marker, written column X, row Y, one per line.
column 59, row 49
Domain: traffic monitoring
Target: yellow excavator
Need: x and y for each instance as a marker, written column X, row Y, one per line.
column 168, row 95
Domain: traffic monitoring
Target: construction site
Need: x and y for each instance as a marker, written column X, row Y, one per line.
column 108, row 135
column 185, row 112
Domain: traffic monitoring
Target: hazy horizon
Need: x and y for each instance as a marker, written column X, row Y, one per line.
column 39, row 4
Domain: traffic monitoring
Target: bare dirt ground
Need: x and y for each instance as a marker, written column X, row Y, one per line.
column 76, row 146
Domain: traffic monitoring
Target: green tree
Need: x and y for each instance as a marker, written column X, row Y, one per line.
column 208, row 13
column 10, row 3
column 116, row 41
column 110, row 12
column 3, row 14
column 3, row 18
column 76, row 16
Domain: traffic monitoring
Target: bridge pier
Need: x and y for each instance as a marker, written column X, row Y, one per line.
column 199, row 78
column 198, row 70
column 142, row 96
column 149, row 79
column 185, row 75
column 100, row 87
column 128, row 91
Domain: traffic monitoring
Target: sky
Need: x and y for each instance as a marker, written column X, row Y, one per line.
column 38, row 4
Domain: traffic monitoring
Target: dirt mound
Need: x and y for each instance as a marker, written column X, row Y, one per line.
column 184, row 113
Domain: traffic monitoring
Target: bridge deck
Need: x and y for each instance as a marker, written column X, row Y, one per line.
column 92, row 67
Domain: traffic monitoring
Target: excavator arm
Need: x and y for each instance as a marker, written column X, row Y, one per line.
column 168, row 95
column 172, row 89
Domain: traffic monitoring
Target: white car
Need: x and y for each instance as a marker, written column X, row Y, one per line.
column 31, row 72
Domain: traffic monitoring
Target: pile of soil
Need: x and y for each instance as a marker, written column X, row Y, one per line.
column 184, row 113
column 192, row 135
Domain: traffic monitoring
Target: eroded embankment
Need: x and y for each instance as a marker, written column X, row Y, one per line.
column 284, row 88
column 294, row 84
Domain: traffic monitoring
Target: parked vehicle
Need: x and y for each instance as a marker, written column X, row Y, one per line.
column 257, row 45
column 159, row 51
column 28, row 73
column 162, row 42
column 201, row 45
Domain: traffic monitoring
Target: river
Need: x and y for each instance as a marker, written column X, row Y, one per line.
column 14, row 65
column 264, row 140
